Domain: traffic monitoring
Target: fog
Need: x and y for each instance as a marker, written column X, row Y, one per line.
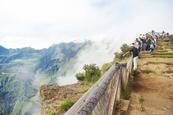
column 98, row 53
column 107, row 23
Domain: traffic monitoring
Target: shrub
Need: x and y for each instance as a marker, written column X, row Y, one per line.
column 105, row 67
column 118, row 55
column 80, row 76
column 53, row 113
column 94, row 79
column 141, row 100
column 66, row 104
column 92, row 72
column 124, row 48
column 84, row 90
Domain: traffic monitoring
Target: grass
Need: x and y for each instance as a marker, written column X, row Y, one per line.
column 125, row 94
column 147, row 71
column 167, row 63
column 163, row 56
column 84, row 90
column 141, row 101
column 53, row 113
column 66, row 104
column 95, row 79
column 125, row 59
column 105, row 67
column 163, row 53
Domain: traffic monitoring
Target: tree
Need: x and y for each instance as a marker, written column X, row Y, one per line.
column 118, row 55
column 80, row 76
column 124, row 48
column 92, row 72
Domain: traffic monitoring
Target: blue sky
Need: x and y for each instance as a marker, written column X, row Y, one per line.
column 41, row 23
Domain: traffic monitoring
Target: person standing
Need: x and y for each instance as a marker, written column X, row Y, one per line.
column 135, row 54
column 138, row 42
column 152, row 45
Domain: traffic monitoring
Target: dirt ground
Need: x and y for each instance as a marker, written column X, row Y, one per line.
column 153, row 86
column 52, row 95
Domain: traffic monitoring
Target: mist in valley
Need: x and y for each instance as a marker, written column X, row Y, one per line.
column 89, row 31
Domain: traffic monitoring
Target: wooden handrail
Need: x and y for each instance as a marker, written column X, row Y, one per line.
column 101, row 98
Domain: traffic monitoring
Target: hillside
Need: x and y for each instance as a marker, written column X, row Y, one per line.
column 22, row 71
column 153, row 86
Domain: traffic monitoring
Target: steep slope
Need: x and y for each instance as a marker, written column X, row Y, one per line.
column 23, row 70
column 57, row 55
column 3, row 50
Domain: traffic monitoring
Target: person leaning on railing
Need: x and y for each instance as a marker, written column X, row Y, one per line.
column 134, row 49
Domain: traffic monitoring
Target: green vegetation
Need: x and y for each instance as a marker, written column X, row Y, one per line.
column 125, row 94
column 80, row 76
column 141, row 101
column 66, row 104
column 14, row 88
column 84, row 90
column 147, row 71
column 163, row 56
column 163, row 53
column 91, row 73
column 124, row 48
column 123, row 55
column 167, row 63
column 105, row 67
column 53, row 113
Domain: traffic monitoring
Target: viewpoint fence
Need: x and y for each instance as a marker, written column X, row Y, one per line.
column 102, row 97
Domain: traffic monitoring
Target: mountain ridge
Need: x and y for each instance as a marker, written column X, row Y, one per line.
column 22, row 70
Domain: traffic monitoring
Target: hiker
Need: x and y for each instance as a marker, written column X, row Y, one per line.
column 138, row 42
column 167, row 34
column 140, row 36
column 148, row 44
column 144, row 42
column 163, row 34
column 152, row 45
column 135, row 53
column 154, row 37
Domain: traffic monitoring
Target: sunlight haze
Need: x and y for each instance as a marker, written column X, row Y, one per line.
column 41, row 23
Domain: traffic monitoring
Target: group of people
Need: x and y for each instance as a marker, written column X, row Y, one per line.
column 145, row 42
column 164, row 34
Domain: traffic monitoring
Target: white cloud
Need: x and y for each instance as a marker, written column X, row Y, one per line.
column 40, row 23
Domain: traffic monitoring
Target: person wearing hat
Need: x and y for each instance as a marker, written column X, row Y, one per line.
column 135, row 53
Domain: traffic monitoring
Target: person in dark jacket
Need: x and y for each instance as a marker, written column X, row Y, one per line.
column 135, row 53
